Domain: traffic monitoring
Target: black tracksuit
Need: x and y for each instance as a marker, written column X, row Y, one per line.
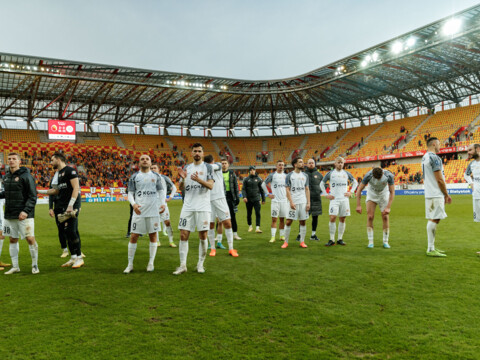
column 20, row 194
column 253, row 192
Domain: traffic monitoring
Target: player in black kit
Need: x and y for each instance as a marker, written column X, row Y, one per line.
column 67, row 205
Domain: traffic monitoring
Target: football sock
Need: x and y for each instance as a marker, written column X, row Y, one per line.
column 341, row 230
column 287, row 233
column 235, row 234
column 370, row 235
column 170, row 233
column 183, row 251
column 333, row 228
column 313, row 233
column 219, row 238
column 386, row 233
column 153, row 252
column 258, row 227
column 1, row 247
column 274, row 231
column 34, row 253
column 131, row 253
column 14, row 254
column 211, row 238
column 229, row 235
column 431, row 230
column 282, row 232
column 202, row 251
column 65, row 249
column 303, row 233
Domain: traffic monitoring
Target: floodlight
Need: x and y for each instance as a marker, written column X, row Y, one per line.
column 411, row 41
column 368, row 58
column 452, row 26
column 375, row 56
column 397, row 47
column 364, row 63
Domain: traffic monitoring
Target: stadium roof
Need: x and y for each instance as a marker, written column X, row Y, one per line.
column 438, row 62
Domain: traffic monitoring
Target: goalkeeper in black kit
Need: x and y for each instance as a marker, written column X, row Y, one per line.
column 67, row 205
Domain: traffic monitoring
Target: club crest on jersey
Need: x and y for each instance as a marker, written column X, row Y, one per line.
column 17, row 178
column 153, row 180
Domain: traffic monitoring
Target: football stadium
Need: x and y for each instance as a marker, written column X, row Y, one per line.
column 82, row 138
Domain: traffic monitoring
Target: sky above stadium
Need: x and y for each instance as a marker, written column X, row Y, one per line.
column 243, row 39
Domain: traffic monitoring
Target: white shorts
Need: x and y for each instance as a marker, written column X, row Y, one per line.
column 165, row 216
column 191, row 219
column 279, row 209
column 380, row 200
column 340, row 208
column 17, row 229
column 1, row 215
column 144, row 225
column 435, row 208
column 220, row 210
column 300, row 213
column 476, row 210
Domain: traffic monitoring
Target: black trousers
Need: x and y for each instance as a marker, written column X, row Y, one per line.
column 130, row 219
column 69, row 231
column 231, row 207
column 250, row 206
column 61, row 235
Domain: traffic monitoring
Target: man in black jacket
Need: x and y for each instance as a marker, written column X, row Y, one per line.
column 20, row 196
column 315, row 178
column 231, row 193
column 252, row 192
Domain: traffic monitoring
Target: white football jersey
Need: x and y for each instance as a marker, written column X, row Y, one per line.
column 472, row 175
column 277, row 184
column 197, row 197
column 431, row 163
column 378, row 186
column 339, row 183
column 218, row 191
column 147, row 189
column 297, row 182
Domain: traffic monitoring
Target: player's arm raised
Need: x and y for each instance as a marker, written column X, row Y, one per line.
column 182, row 175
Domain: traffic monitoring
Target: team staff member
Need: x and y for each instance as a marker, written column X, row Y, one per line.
column 252, row 192
column 20, row 197
column 231, row 193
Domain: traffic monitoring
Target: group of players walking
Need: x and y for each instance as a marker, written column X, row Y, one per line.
column 211, row 193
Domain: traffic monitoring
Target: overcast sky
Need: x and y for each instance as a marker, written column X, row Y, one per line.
column 244, row 39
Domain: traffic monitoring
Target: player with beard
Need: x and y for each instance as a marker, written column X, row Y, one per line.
column 197, row 182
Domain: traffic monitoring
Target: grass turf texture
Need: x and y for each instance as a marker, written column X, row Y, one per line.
column 270, row 303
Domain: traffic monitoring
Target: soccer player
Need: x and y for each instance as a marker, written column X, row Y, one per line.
column 472, row 176
column 380, row 191
column 298, row 195
column 147, row 197
column 436, row 195
column 219, row 209
column 20, row 199
column 314, row 180
column 231, row 193
column 66, row 187
column 279, row 204
column 2, row 203
column 171, row 190
column 252, row 192
column 339, row 195
column 196, row 179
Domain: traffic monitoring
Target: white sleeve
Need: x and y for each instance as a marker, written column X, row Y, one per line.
column 131, row 198
column 322, row 189
column 468, row 178
column 161, row 196
column 174, row 190
column 354, row 185
column 264, row 187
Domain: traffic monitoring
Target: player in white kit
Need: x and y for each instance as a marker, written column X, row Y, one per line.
column 219, row 209
column 339, row 196
column 298, row 195
column 170, row 191
column 279, row 204
column 436, row 195
column 197, row 181
column 380, row 191
column 147, row 197
column 472, row 176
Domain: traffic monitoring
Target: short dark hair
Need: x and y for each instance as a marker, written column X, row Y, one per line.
column 279, row 161
column 294, row 161
column 208, row 159
column 224, row 159
column 14, row 153
column 476, row 146
column 60, row 157
column 430, row 140
column 197, row 145
column 377, row 173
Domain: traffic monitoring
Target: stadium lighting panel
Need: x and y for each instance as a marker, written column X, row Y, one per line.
column 411, row 41
column 452, row 26
column 397, row 47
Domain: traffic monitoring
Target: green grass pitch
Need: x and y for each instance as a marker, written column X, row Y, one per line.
column 269, row 303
